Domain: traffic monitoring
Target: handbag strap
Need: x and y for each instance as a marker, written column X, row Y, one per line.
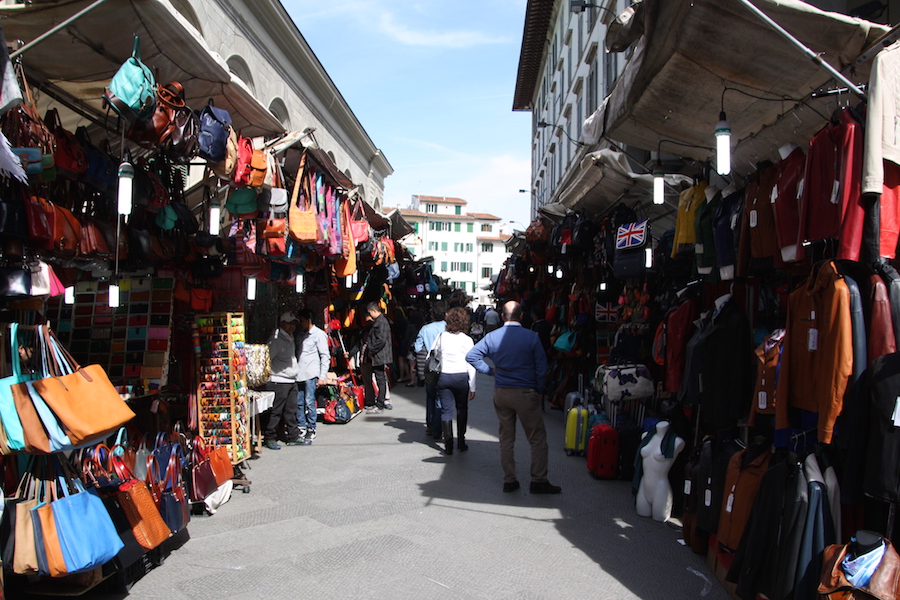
column 120, row 468
column 28, row 96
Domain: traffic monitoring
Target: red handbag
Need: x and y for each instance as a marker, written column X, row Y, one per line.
column 244, row 159
column 70, row 159
column 41, row 218
column 359, row 226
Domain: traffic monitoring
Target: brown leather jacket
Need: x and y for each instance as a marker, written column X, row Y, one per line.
column 817, row 358
column 884, row 585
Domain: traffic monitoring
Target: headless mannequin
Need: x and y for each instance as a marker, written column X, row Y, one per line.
column 654, row 497
column 786, row 150
column 710, row 192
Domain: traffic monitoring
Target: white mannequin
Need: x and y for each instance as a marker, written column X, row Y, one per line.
column 710, row 192
column 786, row 150
column 654, row 497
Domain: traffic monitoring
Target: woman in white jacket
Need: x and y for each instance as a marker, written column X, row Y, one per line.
column 283, row 381
column 456, row 384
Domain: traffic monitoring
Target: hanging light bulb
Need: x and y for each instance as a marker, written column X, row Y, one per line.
column 602, row 286
column 355, row 277
column 559, row 274
column 113, row 295
column 723, row 145
column 215, row 219
column 298, row 283
column 531, row 269
column 126, row 185
column 648, row 257
column 438, row 297
column 659, row 184
column 251, row 288
column 69, row 296
column 348, row 281
column 550, row 269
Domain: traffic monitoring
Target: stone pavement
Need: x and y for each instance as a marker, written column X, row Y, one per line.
column 373, row 510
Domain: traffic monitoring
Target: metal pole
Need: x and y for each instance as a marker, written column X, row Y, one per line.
column 58, row 27
column 809, row 53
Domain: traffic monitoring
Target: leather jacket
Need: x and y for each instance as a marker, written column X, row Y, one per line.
column 884, row 585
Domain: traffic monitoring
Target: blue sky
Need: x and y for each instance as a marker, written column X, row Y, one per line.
column 432, row 83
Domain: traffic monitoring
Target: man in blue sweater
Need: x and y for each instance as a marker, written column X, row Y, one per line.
column 520, row 366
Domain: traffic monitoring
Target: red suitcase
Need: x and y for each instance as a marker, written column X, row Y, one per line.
column 603, row 451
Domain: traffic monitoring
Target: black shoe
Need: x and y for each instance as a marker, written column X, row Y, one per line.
column 544, row 487
column 511, row 486
column 462, row 445
column 272, row 445
column 388, row 406
column 298, row 442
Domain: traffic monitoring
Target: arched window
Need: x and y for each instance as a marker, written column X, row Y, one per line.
column 238, row 66
column 185, row 10
column 278, row 108
column 331, row 156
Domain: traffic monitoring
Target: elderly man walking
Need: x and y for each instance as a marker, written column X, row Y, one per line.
column 520, row 366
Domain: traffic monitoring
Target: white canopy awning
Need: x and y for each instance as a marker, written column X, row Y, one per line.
column 672, row 86
column 75, row 64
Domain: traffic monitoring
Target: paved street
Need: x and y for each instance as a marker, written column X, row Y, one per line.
column 373, row 510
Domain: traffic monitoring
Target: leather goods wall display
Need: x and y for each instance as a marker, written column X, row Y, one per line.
column 82, row 398
column 301, row 211
column 69, row 158
column 215, row 127
column 132, row 91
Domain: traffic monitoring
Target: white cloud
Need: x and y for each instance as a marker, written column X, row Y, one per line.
column 421, row 37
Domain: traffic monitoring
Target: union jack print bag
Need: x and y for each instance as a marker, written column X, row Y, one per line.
column 633, row 235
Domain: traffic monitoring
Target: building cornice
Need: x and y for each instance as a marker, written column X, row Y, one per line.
column 534, row 38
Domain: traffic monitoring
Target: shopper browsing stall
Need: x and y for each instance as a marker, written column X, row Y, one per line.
column 456, row 384
column 313, row 360
column 424, row 341
column 283, row 382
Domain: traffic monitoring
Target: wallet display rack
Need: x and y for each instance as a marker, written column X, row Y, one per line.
column 222, row 393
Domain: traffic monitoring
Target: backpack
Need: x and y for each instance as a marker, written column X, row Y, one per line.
column 215, row 126
column 584, row 232
column 132, row 91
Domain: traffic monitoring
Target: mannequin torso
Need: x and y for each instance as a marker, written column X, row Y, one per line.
column 654, row 497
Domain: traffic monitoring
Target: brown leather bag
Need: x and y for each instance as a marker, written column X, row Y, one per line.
column 36, row 439
column 159, row 129
column 70, row 158
column 30, row 129
column 258, row 168
column 537, row 232
column 41, row 216
column 56, row 563
column 66, row 232
column 137, row 503
column 93, row 242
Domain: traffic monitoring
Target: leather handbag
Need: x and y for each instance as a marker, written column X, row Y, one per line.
column 66, row 232
column 359, row 226
column 82, row 398
column 242, row 203
column 259, row 166
column 140, row 510
column 244, row 158
column 221, row 464
column 15, row 281
column 132, row 91
column 215, row 128
column 69, row 158
column 301, row 211
column 41, row 217
column 24, row 554
column 46, row 540
column 203, row 480
column 12, row 426
column 173, row 506
column 93, row 240
column 28, row 130
column 225, row 168
column 158, row 129
column 86, row 533
column 278, row 202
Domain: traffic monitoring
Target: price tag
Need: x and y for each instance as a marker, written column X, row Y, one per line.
column 730, row 504
column 896, row 416
column 698, row 248
column 835, row 190
column 812, row 340
column 754, row 218
column 687, row 483
column 707, row 498
column 762, row 401
column 774, row 196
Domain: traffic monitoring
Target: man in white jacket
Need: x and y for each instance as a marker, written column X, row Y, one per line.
column 313, row 360
column 283, row 381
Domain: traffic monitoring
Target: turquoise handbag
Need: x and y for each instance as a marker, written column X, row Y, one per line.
column 132, row 91
column 15, row 436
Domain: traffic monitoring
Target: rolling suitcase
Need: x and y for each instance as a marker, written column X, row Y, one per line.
column 603, row 451
column 576, row 431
